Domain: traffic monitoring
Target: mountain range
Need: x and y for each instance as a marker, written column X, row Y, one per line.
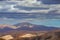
column 26, row 26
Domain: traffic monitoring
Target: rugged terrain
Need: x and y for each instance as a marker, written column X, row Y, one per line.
column 32, row 35
column 28, row 31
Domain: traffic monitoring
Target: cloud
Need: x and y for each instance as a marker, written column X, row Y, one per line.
column 55, row 9
column 44, row 1
column 50, row 1
column 26, row 6
column 5, row 18
column 20, row 7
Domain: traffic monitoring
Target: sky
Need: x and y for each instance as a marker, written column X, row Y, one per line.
column 40, row 12
column 27, row 6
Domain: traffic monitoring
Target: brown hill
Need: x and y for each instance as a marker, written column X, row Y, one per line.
column 52, row 35
column 26, row 35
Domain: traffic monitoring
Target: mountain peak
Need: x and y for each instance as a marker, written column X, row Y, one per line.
column 23, row 23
